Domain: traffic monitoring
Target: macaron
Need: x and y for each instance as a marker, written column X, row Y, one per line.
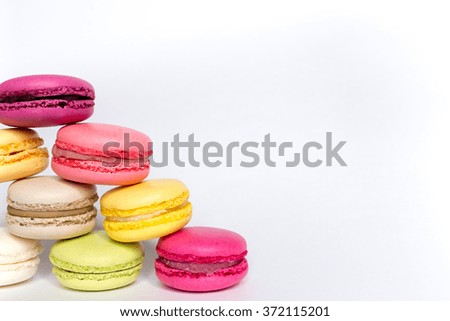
column 94, row 262
column 201, row 259
column 101, row 154
column 50, row 208
column 21, row 154
column 147, row 210
column 45, row 100
column 19, row 258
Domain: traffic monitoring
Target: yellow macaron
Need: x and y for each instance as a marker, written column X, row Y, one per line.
column 147, row 210
column 21, row 154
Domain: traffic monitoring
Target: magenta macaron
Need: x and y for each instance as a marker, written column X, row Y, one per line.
column 101, row 154
column 45, row 100
column 200, row 259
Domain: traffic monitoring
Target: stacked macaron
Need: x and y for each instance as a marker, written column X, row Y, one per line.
column 48, row 207
column 62, row 207
column 39, row 207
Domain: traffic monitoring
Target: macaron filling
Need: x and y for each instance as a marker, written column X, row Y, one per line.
column 59, row 152
column 29, row 255
column 204, row 268
column 83, row 269
column 66, row 101
column 80, row 219
column 201, row 265
column 51, row 214
column 69, row 275
column 16, row 152
column 30, row 263
column 15, row 99
column 18, row 156
column 147, row 216
column 64, row 156
column 58, row 96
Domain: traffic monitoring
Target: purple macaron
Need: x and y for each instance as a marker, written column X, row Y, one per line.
column 45, row 100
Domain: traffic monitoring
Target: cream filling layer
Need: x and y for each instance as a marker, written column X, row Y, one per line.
column 49, row 214
column 208, row 268
column 52, row 221
column 106, row 160
column 146, row 216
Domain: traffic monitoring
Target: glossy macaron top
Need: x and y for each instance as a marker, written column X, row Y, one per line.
column 104, row 140
column 41, row 193
column 38, row 86
column 14, row 249
column 143, row 198
column 95, row 253
column 202, row 245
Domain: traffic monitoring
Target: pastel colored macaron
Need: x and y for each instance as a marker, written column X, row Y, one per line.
column 200, row 259
column 50, row 208
column 94, row 262
column 21, row 154
column 45, row 100
column 19, row 258
column 101, row 154
column 147, row 210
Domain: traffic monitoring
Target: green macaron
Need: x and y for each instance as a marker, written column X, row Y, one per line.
column 94, row 262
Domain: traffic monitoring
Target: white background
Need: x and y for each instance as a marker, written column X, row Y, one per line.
column 376, row 75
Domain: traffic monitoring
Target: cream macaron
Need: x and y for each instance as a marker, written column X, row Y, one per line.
column 50, row 208
column 19, row 258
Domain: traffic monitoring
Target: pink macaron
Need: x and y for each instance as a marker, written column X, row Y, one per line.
column 45, row 100
column 101, row 154
column 201, row 259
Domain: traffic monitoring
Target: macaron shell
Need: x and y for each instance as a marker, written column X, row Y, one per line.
column 51, row 228
column 41, row 193
column 17, row 139
column 143, row 198
column 96, row 176
column 202, row 244
column 97, row 282
column 45, row 116
column 18, row 272
column 90, row 138
column 95, row 253
column 201, row 283
column 45, row 85
column 14, row 249
column 148, row 229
